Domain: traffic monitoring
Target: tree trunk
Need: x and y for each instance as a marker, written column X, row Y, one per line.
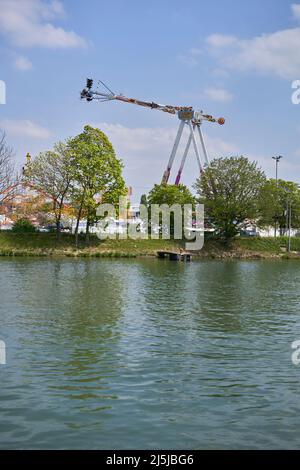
column 78, row 220
column 58, row 228
column 87, row 230
column 58, row 220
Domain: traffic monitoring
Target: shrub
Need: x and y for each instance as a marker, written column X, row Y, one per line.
column 23, row 226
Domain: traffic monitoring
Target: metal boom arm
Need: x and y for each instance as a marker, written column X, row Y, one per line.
column 90, row 95
column 186, row 114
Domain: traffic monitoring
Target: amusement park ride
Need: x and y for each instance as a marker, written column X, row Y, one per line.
column 187, row 116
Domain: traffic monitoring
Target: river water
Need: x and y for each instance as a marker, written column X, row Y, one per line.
column 152, row 354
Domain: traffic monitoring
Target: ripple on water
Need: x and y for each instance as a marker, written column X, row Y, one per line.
column 143, row 354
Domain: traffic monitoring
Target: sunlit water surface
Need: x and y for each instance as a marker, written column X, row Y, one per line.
column 107, row 354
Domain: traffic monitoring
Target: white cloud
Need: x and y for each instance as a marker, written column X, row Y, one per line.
column 24, row 128
column 22, row 63
column 213, row 93
column 191, row 57
column 296, row 10
column 145, row 152
column 154, row 141
column 27, row 24
column 220, row 73
column 218, row 94
column 140, row 145
column 274, row 53
column 220, row 40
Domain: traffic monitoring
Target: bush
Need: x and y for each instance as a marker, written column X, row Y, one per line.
column 23, row 226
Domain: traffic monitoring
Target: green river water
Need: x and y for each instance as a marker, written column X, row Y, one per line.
column 152, row 354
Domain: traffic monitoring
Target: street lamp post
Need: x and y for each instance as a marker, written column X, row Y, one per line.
column 277, row 160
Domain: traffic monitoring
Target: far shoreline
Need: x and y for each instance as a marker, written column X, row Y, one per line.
column 47, row 245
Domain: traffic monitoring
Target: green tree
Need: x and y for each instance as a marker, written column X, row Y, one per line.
column 98, row 174
column 273, row 204
column 144, row 200
column 51, row 174
column 230, row 189
column 23, row 226
column 170, row 194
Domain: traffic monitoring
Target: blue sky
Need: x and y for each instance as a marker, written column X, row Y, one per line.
column 229, row 58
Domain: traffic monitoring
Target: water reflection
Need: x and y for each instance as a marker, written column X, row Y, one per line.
column 148, row 354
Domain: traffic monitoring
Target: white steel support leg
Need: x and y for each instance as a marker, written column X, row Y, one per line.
column 166, row 174
column 203, row 145
column 195, row 147
column 177, row 181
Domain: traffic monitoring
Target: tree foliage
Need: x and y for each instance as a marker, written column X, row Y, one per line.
column 230, row 190
column 275, row 196
column 51, row 174
column 144, row 200
column 170, row 194
column 97, row 172
column 82, row 171
column 23, row 226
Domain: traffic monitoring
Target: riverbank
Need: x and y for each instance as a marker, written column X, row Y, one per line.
column 46, row 244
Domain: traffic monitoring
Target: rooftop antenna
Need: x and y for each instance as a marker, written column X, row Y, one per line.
column 186, row 114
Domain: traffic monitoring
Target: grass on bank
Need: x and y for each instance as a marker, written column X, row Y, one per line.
column 269, row 244
column 45, row 244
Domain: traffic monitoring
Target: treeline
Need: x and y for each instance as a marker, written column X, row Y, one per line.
column 79, row 173
column 236, row 194
column 74, row 175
